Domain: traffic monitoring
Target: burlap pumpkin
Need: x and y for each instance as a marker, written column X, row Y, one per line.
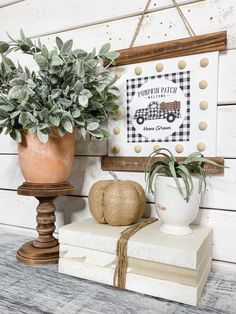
column 118, row 203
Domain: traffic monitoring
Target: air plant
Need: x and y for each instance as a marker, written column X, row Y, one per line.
column 183, row 171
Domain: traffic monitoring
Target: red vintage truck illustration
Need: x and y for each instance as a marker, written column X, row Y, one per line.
column 155, row 110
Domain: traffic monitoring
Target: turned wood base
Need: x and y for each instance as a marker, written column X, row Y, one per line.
column 29, row 254
column 44, row 249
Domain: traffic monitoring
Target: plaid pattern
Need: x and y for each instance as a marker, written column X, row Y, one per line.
column 182, row 79
column 154, row 113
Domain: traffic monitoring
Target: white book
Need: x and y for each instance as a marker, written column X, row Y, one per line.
column 148, row 244
column 151, row 286
column 136, row 266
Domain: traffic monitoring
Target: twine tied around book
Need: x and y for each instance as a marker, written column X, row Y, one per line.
column 119, row 279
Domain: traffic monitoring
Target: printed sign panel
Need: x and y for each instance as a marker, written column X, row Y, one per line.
column 170, row 103
column 158, row 108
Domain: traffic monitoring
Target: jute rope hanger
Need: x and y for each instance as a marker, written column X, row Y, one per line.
column 183, row 17
column 139, row 24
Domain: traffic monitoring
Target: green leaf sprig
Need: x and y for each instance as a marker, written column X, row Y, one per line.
column 71, row 88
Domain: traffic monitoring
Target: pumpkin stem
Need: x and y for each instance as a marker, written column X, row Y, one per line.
column 114, row 175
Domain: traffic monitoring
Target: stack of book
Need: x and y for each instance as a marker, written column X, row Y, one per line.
column 161, row 265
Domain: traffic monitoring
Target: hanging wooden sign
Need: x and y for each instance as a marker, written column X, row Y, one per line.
column 137, row 164
column 174, row 48
column 168, row 97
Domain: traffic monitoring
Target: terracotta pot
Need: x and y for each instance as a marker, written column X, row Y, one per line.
column 46, row 163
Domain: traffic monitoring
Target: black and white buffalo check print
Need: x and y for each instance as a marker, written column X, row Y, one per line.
column 182, row 79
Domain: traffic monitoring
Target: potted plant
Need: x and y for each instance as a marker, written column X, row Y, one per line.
column 40, row 109
column 177, row 186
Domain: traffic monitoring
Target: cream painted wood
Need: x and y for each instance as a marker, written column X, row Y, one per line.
column 54, row 16
column 90, row 147
column 11, row 173
column 4, row 3
column 226, row 131
column 220, row 189
column 20, row 211
column 223, row 223
column 46, row 17
column 7, row 145
column 167, row 25
column 227, row 73
column 87, row 170
column 18, row 230
column 16, row 210
column 224, row 267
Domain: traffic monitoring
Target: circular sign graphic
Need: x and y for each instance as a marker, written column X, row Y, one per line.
column 158, row 108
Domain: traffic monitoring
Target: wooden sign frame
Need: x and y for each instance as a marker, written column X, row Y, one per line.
column 170, row 49
column 174, row 48
column 137, row 164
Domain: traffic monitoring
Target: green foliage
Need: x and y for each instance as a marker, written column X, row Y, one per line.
column 180, row 171
column 72, row 88
column 3, row 47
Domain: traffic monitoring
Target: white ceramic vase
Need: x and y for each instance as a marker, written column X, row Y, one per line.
column 175, row 213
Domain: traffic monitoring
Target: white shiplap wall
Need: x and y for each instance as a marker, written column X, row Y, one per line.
column 91, row 23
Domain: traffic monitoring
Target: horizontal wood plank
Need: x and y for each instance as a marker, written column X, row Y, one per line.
column 226, row 74
column 162, row 25
column 4, row 3
column 223, row 224
column 224, row 267
column 226, row 131
column 219, row 194
column 47, row 17
column 66, row 18
column 174, row 48
column 204, row 17
column 87, row 170
column 20, row 210
column 137, row 164
column 158, row 26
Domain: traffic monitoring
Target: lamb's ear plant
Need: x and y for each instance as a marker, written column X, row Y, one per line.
column 179, row 170
column 71, row 88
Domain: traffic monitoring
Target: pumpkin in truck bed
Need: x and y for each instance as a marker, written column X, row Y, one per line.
column 155, row 110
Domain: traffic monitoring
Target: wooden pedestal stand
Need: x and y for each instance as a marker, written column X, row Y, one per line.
column 45, row 249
